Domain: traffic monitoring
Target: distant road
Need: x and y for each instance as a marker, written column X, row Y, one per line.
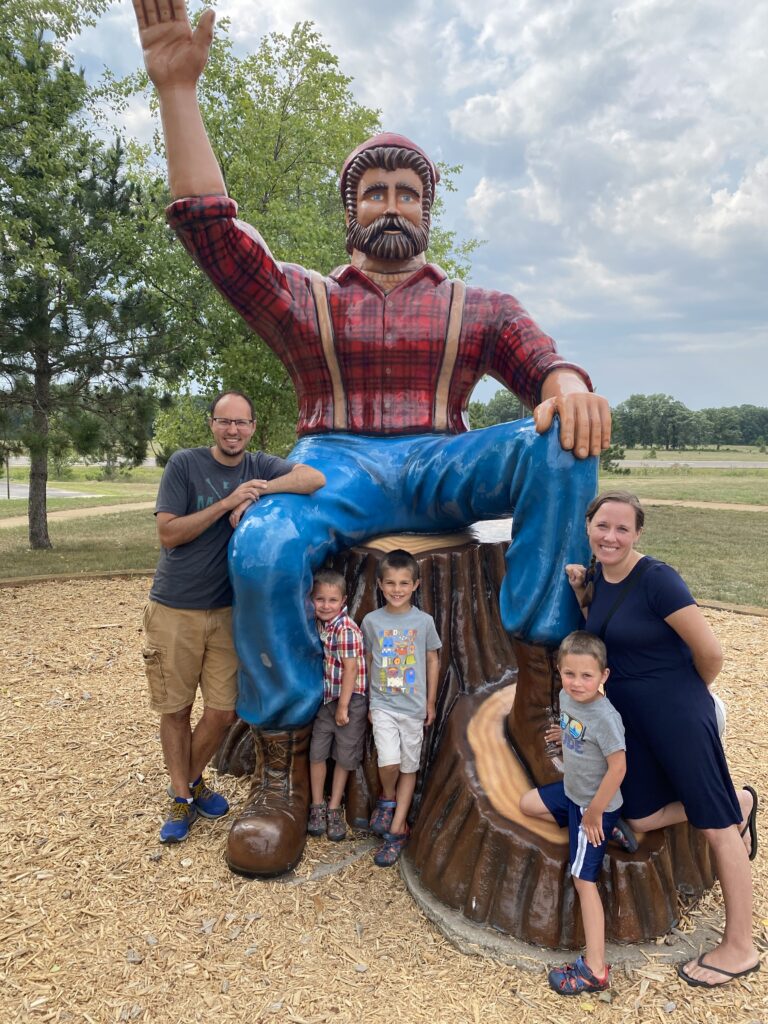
column 703, row 463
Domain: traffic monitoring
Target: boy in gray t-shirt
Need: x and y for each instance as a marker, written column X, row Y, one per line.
column 588, row 799
column 401, row 645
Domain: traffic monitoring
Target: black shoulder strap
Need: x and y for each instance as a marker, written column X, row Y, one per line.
column 630, row 585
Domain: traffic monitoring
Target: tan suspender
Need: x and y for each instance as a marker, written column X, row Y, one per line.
column 450, row 353
column 329, row 350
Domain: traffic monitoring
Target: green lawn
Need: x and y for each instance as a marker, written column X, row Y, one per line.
column 95, row 492
column 732, row 452
column 740, row 486
column 126, row 540
column 722, row 555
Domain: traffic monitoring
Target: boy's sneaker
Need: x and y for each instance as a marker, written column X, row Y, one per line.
column 382, row 817
column 178, row 823
column 336, row 829
column 207, row 802
column 623, row 836
column 573, row 979
column 389, row 851
column 317, row 820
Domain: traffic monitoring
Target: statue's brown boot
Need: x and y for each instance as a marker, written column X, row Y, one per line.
column 268, row 836
column 536, row 701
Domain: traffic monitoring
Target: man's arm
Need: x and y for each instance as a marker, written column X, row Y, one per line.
column 585, row 418
column 176, row 530
column 301, row 480
column 175, row 57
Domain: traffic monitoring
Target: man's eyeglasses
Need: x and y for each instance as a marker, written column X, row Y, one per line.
column 220, row 421
column 572, row 726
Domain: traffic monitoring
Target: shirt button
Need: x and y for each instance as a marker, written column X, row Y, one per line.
column 387, row 371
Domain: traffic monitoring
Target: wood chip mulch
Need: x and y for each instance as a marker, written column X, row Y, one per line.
column 99, row 923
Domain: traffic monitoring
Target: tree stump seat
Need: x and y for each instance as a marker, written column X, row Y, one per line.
column 470, row 847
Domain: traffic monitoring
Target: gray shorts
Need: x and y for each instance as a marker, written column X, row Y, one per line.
column 344, row 743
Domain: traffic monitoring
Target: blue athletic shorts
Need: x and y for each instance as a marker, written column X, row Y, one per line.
column 586, row 859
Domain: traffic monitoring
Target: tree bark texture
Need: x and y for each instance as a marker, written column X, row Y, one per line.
column 470, row 846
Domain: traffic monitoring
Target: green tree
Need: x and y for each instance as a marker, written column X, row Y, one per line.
column 500, row 408
column 79, row 330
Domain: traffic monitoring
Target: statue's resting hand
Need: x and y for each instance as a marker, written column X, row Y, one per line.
column 174, row 55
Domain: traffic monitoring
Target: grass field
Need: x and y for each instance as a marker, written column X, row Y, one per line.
column 142, row 486
column 683, row 483
column 126, row 540
column 722, row 555
column 733, row 452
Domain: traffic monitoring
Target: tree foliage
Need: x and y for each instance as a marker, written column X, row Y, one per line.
column 79, row 329
column 500, row 408
column 660, row 421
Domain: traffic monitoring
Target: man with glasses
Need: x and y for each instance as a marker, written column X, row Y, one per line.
column 188, row 619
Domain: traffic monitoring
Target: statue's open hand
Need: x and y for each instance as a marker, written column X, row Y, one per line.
column 585, row 421
column 174, row 55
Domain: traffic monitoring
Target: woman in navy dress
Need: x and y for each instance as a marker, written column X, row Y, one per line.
column 663, row 657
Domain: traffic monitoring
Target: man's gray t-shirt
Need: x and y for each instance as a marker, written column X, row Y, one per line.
column 195, row 575
column 398, row 644
column 592, row 732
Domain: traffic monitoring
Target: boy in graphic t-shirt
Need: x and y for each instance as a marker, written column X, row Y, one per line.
column 401, row 645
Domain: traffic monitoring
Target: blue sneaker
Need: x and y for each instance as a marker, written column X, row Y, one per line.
column 207, row 802
column 178, row 823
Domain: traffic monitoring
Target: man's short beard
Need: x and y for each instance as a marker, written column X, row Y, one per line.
column 375, row 240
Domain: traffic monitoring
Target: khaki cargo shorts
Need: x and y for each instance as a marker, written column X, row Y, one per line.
column 185, row 648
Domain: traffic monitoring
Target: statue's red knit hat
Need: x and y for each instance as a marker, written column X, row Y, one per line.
column 388, row 139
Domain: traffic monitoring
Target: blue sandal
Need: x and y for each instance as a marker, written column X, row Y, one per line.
column 573, row 979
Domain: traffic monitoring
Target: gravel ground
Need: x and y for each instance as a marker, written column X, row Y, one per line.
column 100, row 923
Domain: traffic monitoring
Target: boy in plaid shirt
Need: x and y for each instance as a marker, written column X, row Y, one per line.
column 340, row 724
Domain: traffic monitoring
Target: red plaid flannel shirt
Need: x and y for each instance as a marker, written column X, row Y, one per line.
column 389, row 347
column 341, row 638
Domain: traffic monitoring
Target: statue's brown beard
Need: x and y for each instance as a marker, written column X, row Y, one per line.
column 406, row 239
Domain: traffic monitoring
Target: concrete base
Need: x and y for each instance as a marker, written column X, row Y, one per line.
column 474, row 940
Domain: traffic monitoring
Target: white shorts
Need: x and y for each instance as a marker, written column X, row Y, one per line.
column 398, row 739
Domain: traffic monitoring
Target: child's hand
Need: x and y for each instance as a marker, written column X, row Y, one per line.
column 576, row 575
column 342, row 715
column 554, row 734
column 592, row 824
column 430, row 717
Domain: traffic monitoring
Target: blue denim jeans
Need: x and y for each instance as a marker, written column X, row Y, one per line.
column 379, row 485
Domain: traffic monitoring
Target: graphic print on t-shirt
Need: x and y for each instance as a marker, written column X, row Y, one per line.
column 398, row 657
column 573, row 732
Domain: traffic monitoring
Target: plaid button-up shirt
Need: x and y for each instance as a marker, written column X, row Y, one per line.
column 341, row 638
column 387, row 348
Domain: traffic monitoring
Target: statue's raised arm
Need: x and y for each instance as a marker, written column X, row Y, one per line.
column 175, row 56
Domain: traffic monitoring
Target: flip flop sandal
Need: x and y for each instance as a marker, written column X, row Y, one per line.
column 729, row 975
column 751, row 825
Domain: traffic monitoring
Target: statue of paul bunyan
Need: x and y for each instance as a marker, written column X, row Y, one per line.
column 384, row 354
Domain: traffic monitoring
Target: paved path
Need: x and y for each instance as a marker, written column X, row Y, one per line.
column 694, row 463
column 79, row 513
column 497, row 529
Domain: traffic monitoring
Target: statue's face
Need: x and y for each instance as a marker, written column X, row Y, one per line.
column 388, row 222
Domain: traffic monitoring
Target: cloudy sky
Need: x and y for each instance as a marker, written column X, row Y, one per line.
column 615, row 161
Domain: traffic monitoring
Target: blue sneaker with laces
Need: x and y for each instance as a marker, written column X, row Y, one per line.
column 208, row 803
column 178, row 823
